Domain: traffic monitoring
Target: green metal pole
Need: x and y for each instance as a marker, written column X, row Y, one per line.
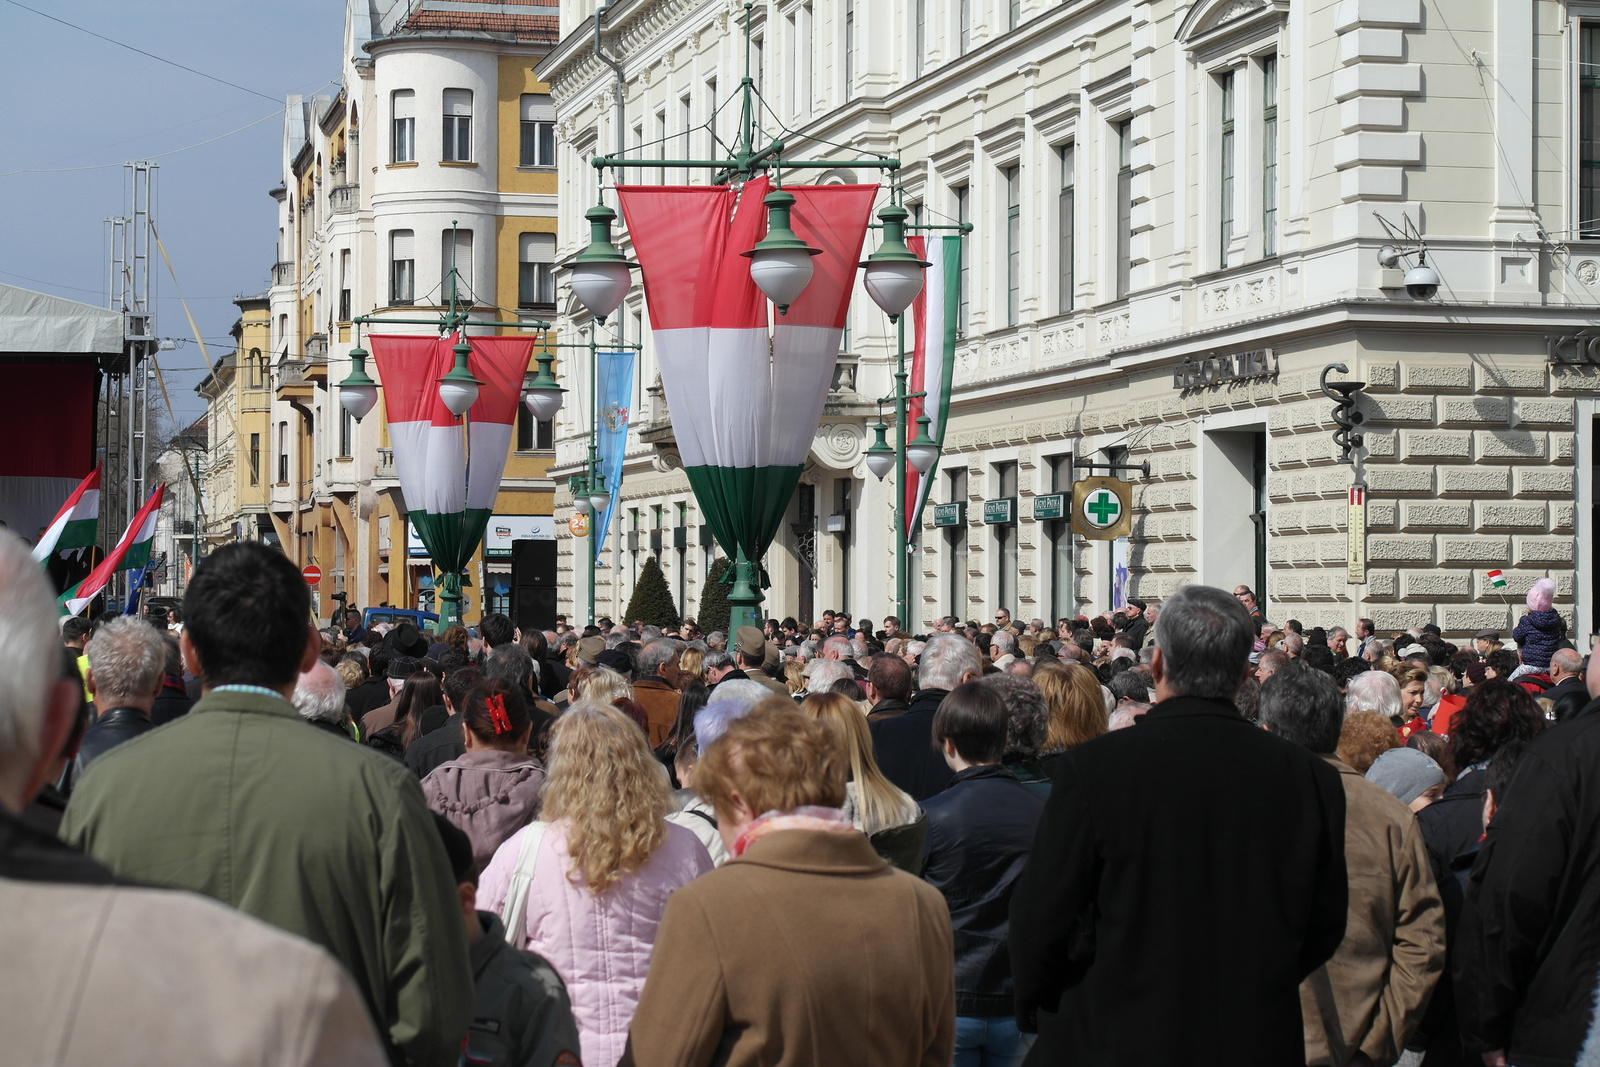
column 594, row 461
column 900, row 413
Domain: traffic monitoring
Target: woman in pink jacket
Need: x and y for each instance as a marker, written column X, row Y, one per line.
column 603, row 872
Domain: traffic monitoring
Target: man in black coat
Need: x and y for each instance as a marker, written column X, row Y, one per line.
column 1187, row 875
column 1526, row 959
column 903, row 744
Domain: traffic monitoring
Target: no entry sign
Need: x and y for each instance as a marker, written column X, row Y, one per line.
column 311, row 573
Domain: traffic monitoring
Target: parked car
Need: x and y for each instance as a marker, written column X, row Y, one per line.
column 422, row 620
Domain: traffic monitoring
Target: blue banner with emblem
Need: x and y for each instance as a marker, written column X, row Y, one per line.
column 614, row 390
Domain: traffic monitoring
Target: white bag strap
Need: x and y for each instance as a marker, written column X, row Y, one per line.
column 514, row 911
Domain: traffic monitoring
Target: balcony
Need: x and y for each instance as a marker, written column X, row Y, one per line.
column 344, row 199
column 283, row 273
column 293, row 385
column 385, row 468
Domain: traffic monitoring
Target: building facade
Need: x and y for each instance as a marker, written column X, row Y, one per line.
column 1180, row 213
column 435, row 152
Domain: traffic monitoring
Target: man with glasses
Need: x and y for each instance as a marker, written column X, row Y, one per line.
column 1247, row 597
column 1002, row 619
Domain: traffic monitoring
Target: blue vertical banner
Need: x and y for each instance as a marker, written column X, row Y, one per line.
column 614, row 391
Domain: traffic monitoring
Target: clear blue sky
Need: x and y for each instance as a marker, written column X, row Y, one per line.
column 78, row 102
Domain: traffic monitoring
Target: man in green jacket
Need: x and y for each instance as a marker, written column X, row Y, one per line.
column 246, row 802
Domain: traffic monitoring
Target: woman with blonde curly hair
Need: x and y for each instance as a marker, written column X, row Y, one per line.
column 607, row 862
column 604, row 685
column 1077, row 708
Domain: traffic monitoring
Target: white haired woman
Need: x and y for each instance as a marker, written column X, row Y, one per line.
column 602, row 872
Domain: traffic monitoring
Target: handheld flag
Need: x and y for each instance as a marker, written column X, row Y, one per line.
column 1497, row 579
column 132, row 552
column 76, row 524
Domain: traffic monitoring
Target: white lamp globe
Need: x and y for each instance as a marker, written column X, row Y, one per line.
column 458, row 396
column 580, row 504
column 543, row 403
column 781, row 273
column 598, row 501
column 893, row 285
column 922, row 457
column 358, row 400
column 601, row 287
column 880, row 464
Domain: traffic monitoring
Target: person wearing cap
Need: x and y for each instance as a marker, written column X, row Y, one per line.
column 1410, row 776
column 587, row 651
column 1366, row 1002
column 1486, row 641
column 1137, row 627
column 750, row 645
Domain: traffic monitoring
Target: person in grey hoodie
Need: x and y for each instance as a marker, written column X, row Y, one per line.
column 491, row 790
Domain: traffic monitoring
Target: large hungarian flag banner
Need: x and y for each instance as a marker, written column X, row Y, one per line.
column 131, row 553
column 449, row 498
column 745, row 402
column 76, row 524
column 934, row 315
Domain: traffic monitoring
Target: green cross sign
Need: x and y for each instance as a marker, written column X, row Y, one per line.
column 1102, row 507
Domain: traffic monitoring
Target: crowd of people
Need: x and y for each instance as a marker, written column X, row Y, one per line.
column 1173, row 833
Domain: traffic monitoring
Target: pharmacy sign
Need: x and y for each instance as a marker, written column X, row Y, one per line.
column 1102, row 508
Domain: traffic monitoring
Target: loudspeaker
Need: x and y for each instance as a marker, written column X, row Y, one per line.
column 533, row 584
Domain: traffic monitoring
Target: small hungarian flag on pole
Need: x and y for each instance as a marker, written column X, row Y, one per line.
column 1497, row 579
column 132, row 552
column 75, row 524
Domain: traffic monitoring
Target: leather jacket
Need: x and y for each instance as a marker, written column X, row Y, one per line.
column 110, row 729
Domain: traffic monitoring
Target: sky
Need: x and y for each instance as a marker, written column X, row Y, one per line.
column 78, row 107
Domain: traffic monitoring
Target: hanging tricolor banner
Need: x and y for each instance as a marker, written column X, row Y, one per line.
column 76, row 524
column 745, row 403
column 450, row 499
column 132, row 553
column 934, row 317
column 614, row 388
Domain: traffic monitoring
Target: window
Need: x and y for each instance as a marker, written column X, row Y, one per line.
column 680, row 544
column 1005, row 539
column 402, row 267
column 1066, row 226
column 255, row 459
column 843, row 506
column 1058, row 541
column 1013, row 177
column 1589, row 130
column 457, row 126
column 960, row 193
column 1124, row 207
column 849, row 48
column 344, row 285
column 347, row 426
column 920, row 38
column 455, row 251
column 758, row 60
column 1225, row 182
column 1013, row 14
column 964, row 27
column 661, row 145
column 404, row 106
column 283, row 453
column 711, row 123
column 532, row 434
column 536, row 270
column 685, row 124
column 1269, row 156
column 538, row 131
column 955, row 539
column 257, row 375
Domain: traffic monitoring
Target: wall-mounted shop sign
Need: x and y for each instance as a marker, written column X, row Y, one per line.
column 1000, row 512
column 1582, row 347
column 1218, row 370
column 950, row 514
column 1049, row 506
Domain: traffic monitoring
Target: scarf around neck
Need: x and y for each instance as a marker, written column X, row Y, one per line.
column 810, row 817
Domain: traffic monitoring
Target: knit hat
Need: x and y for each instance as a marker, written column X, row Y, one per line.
column 1541, row 595
column 1405, row 774
column 1477, row 673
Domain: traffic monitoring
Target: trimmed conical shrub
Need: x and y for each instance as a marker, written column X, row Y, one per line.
column 652, row 602
column 714, row 610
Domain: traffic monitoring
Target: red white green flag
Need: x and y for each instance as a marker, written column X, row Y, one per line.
column 131, row 553
column 76, row 524
column 933, row 358
column 1497, row 579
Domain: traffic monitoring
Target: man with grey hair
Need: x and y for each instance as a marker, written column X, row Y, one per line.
column 824, row 672
column 719, row 665
column 319, row 698
column 86, row 957
column 732, row 700
column 126, row 661
column 1292, row 645
column 1338, row 641
column 904, row 744
column 912, row 651
column 1001, row 646
column 1373, row 691
column 1364, row 1003
column 1128, row 863
column 656, row 687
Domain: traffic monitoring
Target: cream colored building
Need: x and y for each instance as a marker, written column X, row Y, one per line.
column 1153, row 182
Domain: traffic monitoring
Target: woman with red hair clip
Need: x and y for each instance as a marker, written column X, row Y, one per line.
column 492, row 790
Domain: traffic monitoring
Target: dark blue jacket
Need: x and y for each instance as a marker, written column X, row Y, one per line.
column 904, row 748
column 980, row 831
column 1539, row 634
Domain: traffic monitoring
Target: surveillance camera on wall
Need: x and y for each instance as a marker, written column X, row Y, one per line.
column 1422, row 282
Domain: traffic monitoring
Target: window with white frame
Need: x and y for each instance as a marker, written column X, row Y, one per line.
column 919, row 37
column 964, row 25
column 536, row 270
column 402, row 267
column 457, row 126
column 344, row 285
column 455, row 251
column 403, row 142
column 1013, row 14
column 1124, row 222
column 1269, row 155
column 849, row 48
column 1013, row 229
column 1589, row 130
column 538, row 131
column 961, row 194
column 1066, row 227
column 1226, row 147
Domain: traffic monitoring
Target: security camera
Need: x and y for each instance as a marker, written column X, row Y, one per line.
column 1422, row 282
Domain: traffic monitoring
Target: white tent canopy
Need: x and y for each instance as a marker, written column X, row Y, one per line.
column 37, row 324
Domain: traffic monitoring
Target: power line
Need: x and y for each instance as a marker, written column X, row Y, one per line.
column 153, row 155
column 141, row 51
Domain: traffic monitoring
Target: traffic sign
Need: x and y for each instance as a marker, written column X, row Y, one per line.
column 311, row 573
column 1102, row 508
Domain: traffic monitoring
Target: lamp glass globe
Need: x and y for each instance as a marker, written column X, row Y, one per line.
column 358, row 399
column 543, row 403
column 880, row 463
column 893, row 285
column 922, row 457
column 600, row 287
column 458, row 396
column 781, row 273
